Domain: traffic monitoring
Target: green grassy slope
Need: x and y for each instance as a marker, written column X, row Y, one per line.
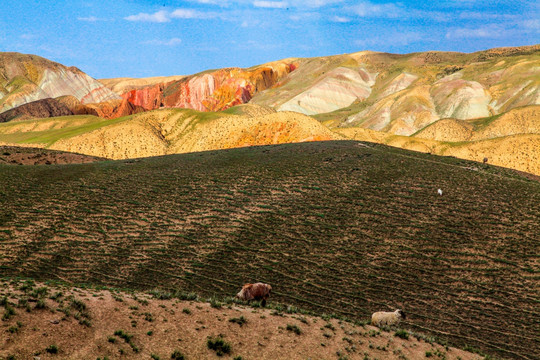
column 50, row 130
column 335, row 227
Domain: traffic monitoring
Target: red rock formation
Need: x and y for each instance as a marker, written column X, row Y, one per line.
column 109, row 109
column 213, row 91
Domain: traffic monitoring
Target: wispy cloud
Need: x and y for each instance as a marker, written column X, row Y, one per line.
column 191, row 14
column 166, row 16
column 157, row 17
column 91, row 19
column 486, row 31
column 340, row 19
column 271, row 4
column 476, row 15
column 367, row 9
column 531, row 24
column 170, row 42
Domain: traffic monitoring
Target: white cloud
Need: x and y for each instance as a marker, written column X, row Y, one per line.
column 340, row 19
column 165, row 16
column 212, row 2
column 170, row 42
column 532, row 24
column 271, row 4
column 367, row 9
column 191, row 14
column 476, row 15
column 158, row 17
column 89, row 19
column 488, row 31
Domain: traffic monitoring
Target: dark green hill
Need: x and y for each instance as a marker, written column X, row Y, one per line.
column 336, row 227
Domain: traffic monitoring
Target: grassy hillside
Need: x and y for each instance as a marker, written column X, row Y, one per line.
column 336, row 227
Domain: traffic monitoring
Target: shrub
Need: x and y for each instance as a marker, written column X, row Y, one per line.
column 240, row 321
column 294, row 329
column 40, row 304
column 111, row 339
column 148, row 317
column 215, row 303
column 9, row 312
column 177, row 355
column 52, row 349
column 402, row 334
column 219, row 345
column 124, row 335
column 78, row 305
column 186, row 311
column 155, row 357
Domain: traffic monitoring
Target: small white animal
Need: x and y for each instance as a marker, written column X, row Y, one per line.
column 383, row 318
column 439, row 192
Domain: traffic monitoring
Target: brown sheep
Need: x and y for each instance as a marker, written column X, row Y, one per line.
column 255, row 291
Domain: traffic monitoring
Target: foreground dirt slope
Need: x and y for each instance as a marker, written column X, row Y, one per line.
column 15, row 155
column 337, row 227
column 160, row 327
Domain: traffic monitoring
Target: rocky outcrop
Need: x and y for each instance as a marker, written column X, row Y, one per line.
column 212, row 91
column 123, row 85
column 334, row 90
column 27, row 78
column 460, row 99
column 410, row 91
column 109, row 109
column 36, row 109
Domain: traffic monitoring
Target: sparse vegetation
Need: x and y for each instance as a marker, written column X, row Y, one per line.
column 402, row 334
column 177, row 355
column 294, row 328
column 261, row 203
column 52, row 349
column 239, row 320
column 219, row 345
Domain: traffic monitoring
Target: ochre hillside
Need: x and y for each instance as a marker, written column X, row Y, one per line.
column 511, row 139
column 167, row 131
column 339, row 227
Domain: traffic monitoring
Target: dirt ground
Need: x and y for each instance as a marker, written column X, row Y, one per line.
column 81, row 324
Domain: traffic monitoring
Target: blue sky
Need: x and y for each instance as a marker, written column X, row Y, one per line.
column 138, row 38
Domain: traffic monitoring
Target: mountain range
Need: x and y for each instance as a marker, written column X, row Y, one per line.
column 477, row 106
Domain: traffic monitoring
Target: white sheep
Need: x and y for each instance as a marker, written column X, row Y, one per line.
column 439, row 192
column 382, row 318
